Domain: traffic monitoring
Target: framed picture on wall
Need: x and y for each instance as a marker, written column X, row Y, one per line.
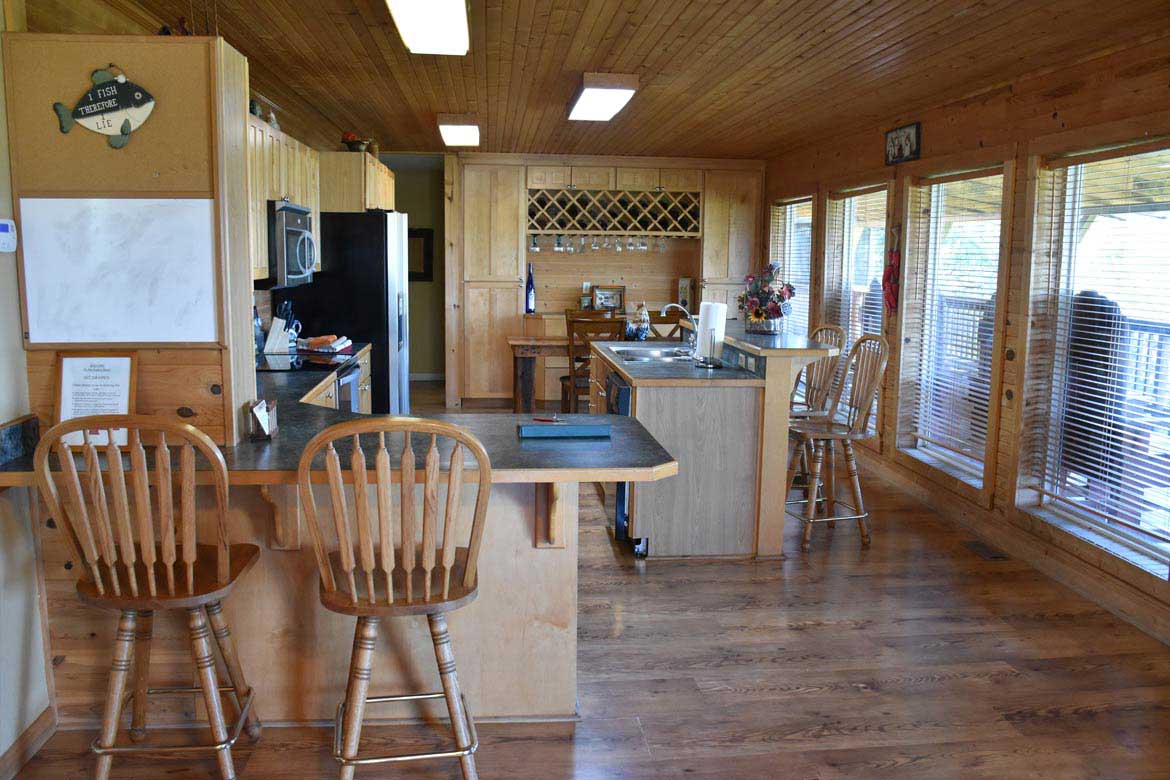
column 904, row 144
column 609, row 297
column 421, row 251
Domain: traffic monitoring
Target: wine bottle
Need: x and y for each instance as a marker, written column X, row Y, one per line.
column 530, row 293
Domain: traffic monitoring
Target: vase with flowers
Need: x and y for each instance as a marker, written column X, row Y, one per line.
column 766, row 302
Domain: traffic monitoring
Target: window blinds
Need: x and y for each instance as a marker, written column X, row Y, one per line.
column 790, row 246
column 854, row 260
column 1098, row 433
column 951, row 274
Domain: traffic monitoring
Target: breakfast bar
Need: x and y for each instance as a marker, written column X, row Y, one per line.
column 520, row 634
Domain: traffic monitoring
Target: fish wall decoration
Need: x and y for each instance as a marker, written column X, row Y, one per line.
column 113, row 107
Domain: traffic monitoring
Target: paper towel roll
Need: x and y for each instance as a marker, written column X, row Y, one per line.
column 712, row 324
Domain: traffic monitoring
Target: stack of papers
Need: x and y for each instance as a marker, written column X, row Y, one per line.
column 328, row 344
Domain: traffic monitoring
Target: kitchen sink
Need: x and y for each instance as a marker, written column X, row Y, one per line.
column 647, row 354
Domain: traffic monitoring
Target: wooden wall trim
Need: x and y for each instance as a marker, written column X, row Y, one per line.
column 28, row 743
column 617, row 161
column 453, row 281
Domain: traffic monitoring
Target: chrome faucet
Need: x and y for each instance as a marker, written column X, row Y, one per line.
column 693, row 336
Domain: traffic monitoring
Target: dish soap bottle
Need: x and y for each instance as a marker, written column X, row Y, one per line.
column 530, row 293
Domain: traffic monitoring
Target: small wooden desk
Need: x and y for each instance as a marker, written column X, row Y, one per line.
column 525, row 351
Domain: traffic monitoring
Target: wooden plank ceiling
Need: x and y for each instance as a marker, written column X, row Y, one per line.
column 734, row 78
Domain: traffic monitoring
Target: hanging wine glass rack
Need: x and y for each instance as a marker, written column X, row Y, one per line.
column 615, row 212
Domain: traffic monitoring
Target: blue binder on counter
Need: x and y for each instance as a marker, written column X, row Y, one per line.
column 563, row 430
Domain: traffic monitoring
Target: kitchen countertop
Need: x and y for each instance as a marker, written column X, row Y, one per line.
column 630, row 454
column 659, row 373
column 787, row 345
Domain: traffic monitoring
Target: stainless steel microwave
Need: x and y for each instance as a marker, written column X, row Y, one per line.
column 292, row 252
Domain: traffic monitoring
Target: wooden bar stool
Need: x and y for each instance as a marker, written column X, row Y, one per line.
column 426, row 573
column 818, row 378
column 582, row 331
column 863, row 374
column 138, row 566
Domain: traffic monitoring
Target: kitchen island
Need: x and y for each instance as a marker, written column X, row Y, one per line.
column 517, row 643
column 727, row 427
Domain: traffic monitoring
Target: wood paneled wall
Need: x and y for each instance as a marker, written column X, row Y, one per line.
column 648, row 276
column 1117, row 98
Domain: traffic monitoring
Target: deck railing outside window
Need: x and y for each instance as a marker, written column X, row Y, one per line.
column 951, row 274
column 1097, row 429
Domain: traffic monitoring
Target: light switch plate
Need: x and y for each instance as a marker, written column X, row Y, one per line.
column 7, row 235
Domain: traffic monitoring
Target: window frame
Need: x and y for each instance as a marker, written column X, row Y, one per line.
column 821, row 266
column 812, row 200
column 1052, row 154
column 939, row 470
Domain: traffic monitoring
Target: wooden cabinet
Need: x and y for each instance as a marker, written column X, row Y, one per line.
column 548, row 177
column 638, row 179
column 355, row 182
column 491, row 313
column 731, row 224
column 592, row 178
column 680, row 180
column 494, row 215
column 279, row 167
column 324, row 394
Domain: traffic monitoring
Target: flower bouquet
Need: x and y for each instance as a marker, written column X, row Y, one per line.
column 765, row 302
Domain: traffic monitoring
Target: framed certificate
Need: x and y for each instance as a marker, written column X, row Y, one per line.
column 91, row 383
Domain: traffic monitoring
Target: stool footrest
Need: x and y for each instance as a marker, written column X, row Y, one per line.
column 828, row 518
column 363, row 760
column 213, row 748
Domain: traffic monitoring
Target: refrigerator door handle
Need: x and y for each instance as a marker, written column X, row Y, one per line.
column 401, row 319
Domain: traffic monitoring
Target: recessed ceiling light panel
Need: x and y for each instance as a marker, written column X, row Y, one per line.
column 432, row 26
column 459, row 129
column 602, row 95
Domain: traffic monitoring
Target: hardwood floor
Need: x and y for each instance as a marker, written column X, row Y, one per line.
column 916, row 658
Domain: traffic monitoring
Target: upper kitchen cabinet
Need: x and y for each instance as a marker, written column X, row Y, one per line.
column 548, row 177
column 680, row 179
column 494, row 214
column 638, row 179
column 731, row 224
column 592, row 178
column 355, row 182
column 279, row 167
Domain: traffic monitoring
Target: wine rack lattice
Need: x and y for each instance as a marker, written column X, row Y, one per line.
column 610, row 212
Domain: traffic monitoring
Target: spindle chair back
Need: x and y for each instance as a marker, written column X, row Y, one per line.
column 110, row 517
column 818, row 376
column 377, row 545
column 864, row 370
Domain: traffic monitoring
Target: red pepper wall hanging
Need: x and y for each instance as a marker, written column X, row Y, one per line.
column 893, row 273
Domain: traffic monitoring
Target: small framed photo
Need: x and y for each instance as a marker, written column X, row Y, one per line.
column 585, row 302
column 904, row 144
column 90, row 383
column 609, row 297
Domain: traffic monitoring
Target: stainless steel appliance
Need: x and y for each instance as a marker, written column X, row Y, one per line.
column 348, row 393
column 619, row 400
column 292, row 252
column 361, row 292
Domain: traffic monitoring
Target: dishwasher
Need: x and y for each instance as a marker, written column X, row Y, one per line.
column 619, row 400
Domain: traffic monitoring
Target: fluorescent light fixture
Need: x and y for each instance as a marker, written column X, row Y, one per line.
column 459, row 129
column 602, row 95
column 432, row 26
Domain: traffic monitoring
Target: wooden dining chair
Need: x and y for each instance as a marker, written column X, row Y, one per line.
column 374, row 568
column 863, row 374
column 138, row 555
column 818, row 376
column 583, row 332
column 666, row 327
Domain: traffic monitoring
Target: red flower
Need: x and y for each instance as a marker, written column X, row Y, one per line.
column 753, row 303
column 773, row 309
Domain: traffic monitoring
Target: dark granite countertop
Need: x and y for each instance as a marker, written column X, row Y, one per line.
column 631, row 454
column 787, row 345
column 661, row 373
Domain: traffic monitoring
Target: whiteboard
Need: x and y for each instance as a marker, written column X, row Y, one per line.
column 119, row 269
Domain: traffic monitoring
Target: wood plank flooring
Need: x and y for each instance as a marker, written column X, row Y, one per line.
column 915, row 659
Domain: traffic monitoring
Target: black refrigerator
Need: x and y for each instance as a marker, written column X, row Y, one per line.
column 361, row 292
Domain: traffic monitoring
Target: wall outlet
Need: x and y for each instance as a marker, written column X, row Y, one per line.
column 7, row 235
